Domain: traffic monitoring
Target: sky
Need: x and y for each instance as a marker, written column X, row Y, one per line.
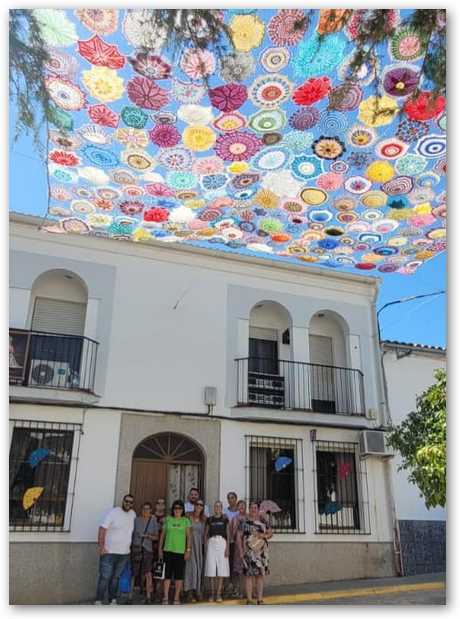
column 420, row 321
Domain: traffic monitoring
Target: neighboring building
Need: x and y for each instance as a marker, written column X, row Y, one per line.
column 409, row 371
column 112, row 347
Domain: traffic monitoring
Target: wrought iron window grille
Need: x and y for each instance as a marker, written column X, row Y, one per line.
column 43, row 468
column 341, row 494
column 275, row 473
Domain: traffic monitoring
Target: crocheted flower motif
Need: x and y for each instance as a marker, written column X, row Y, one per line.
column 361, row 136
column 176, row 158
column 345, row 97
column 273, row 158
column 65, row 94
column 156, row 215
column 380, row 172
column 359, row 160
column 354, row 24
column 266, row 199
column 55, row 28
column 306, row 168
column 102, row 21
column 237, row 146
column 332, row 20
column 406, row 44
column 331, row 181
column 316, row 55
column 159, row 189
column 62, row 157
column 63, row 141
column 211, row 182
column 401, row 81
column 100, row 157
column 228, row 97
column 392, row 148
column 186, row 92
column 328, row 147
column 181, row 180
column 230, row 122
column 165, row 136
column 411, row 165
column 274, row 59
column 377, row 111
column 151, row 66
column 61, row 64
column 313, row 90
column 198, row 63
column 131, row 138
column 269, row 91
column 195, row 114
column 237, row 67
column 267, row 121
column 131, row 207
column 304, row 118
column 271, row 225
column 247, row 32
column 134, row 117
column 103, row 115
column 424, row 106
column 102, row 54
column 281, row 183
column 298, row 141
column 137, row 159
column 147, row 94
column 208, row 165
column 288, row 26
column 103, row 83
column 141, row 33
column 432, row 146
column 198, row 138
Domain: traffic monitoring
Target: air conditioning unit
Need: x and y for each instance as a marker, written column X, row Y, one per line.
column 372, row 443
column 45, row 373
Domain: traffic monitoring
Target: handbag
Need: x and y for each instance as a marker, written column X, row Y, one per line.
column 159, row 569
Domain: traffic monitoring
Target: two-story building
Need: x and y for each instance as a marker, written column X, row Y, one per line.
column 151, row 368
column 409, row 371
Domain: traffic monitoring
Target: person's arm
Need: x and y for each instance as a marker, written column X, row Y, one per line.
column 102, row 532
column 227, row 540
column 162, row 540
column 188, row 543
column 206, row 534
column 239, row 542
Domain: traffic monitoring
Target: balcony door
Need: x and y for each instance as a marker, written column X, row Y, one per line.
column 263, row 356
column 56, row 352
column 322, row 374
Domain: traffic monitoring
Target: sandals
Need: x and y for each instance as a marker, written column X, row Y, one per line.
column 165, row 601
column 260, row 602
column 219, row 599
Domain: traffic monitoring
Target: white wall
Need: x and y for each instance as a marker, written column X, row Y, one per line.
column 407, row 378
column 171, row 321
column 233, row 477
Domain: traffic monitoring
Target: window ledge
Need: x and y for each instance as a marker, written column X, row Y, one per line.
column 19, row 393
column 298, row 416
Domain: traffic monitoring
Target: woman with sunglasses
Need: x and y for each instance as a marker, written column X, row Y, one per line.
column 217, row 538
column 194, row 567
column 175, row 547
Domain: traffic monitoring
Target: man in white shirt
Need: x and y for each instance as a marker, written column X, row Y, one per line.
column 193, row 496
column 114, row 541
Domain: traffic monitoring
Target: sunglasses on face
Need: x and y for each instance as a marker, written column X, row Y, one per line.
column 128, row 501
column 200, row 504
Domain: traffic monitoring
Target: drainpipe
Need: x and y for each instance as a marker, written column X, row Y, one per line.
column 388, row 473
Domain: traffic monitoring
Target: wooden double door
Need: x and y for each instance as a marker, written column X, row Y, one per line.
column 166, row 466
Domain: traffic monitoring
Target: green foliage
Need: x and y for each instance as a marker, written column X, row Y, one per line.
column 421, row 441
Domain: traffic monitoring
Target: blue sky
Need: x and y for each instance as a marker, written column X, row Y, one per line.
column 422, row 321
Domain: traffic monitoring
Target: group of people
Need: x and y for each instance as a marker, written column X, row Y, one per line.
column 184, row 547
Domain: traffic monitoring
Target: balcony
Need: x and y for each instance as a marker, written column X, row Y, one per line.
column 52, row 361
column 292, row 385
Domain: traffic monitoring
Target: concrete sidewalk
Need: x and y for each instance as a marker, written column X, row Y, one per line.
column 346, row 591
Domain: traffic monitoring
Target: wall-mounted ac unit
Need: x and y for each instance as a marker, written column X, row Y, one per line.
column 45, row 373
column 372, row 443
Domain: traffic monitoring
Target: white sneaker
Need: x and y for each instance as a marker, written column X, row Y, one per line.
column 114, row 602
column 98, row 603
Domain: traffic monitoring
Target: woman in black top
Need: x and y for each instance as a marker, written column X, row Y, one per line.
column 217, row 536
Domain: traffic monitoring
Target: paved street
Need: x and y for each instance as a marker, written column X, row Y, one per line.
column 409, row 598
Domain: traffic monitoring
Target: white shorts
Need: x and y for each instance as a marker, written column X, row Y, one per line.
column 216, row 561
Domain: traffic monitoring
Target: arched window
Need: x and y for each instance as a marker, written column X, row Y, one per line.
column 166, row 465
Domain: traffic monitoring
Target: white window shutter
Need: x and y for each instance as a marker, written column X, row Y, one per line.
column 56, row 316
column 321, row 350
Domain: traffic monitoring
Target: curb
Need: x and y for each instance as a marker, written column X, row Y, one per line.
column 321, row 596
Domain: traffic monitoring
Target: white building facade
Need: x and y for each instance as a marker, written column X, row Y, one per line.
column 409, row 372
column 154, row 368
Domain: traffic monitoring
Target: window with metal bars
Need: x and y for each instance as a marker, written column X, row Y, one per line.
column 275, row 480
column 341, row 491
column 43, row 464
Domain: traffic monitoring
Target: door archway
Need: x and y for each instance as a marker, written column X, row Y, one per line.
column 166, row 465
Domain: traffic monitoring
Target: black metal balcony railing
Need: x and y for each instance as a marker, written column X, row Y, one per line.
column 273, row 383
column 52, row 360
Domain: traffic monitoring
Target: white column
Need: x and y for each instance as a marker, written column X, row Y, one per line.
column 241, row 367
column 299, row 383
column 356, row 390
column 19, row 307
